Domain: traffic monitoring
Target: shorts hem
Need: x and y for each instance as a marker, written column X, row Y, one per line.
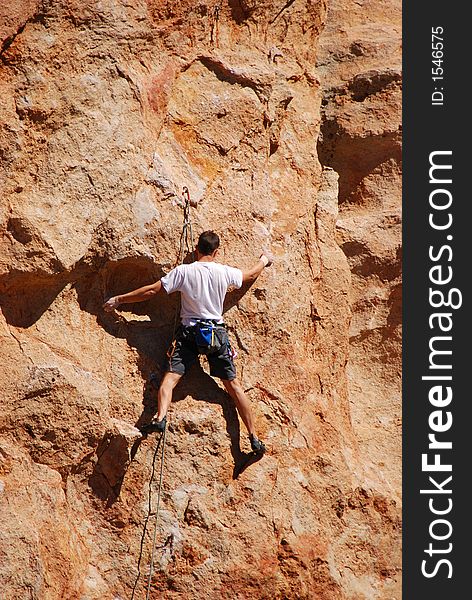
column 181, row 371
column 225, row 376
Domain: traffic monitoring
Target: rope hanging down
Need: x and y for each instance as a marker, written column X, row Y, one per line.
column 151, row 481
column 186, row 246
column 154, row 535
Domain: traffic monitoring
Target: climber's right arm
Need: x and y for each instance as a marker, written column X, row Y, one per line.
column 143, row 293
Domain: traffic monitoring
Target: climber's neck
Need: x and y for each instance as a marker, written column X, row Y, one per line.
column 205, row 257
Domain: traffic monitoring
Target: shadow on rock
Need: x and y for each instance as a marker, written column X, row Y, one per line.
column 247, row 459
column 202, row 387
column 234, row 296
column 115, row 453
column 24, row 297
column 146, row 326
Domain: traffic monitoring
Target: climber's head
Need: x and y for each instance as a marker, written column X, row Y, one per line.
column 208, row 244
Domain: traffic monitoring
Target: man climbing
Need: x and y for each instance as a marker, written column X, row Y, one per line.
column 203, row 285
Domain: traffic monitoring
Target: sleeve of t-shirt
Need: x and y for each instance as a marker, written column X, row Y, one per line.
column 172, row 282
column 234, row 277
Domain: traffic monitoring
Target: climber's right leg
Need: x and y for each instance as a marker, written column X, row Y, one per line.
column 181, row 355
column 164, row 398
column 164, row 395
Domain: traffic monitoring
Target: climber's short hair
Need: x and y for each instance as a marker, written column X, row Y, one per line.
column 208, row 242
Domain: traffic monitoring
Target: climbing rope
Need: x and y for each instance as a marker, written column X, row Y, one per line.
column 185, row 247
column 143, row 536
column 154, row 535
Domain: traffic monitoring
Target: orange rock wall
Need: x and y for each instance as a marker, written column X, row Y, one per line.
column 108, row 109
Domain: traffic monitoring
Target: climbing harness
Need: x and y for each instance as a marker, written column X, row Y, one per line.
column 186, row 247
column 206, row 336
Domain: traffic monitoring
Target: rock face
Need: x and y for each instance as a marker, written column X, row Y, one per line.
column 108, row 110
column 360, row 66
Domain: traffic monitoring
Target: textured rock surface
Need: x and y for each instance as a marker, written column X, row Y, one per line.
column 108, row 110
column 360, row 68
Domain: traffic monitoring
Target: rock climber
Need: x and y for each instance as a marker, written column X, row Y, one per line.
column 203, row 285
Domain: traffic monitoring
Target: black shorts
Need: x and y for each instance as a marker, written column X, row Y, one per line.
column 183, row 352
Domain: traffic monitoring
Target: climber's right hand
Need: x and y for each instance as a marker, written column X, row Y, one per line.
column 267, row 259
column 111, row 304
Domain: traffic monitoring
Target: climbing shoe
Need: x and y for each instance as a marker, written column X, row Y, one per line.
column 154, row 426
column 256, row 445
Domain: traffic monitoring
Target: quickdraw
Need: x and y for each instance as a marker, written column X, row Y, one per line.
column 186, row 237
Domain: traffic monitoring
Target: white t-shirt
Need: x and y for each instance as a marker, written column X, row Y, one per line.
column 203, row 286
